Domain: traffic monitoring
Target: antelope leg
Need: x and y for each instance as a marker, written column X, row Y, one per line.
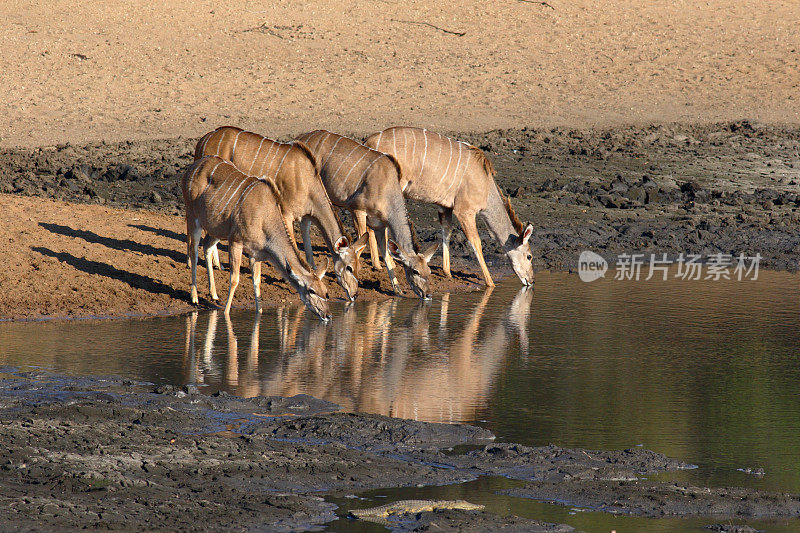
column 236, row 262
column 471, row 231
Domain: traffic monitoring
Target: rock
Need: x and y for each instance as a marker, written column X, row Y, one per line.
column 121, row 173
column 609, row 201
column 652, row 196
column 768, row 205
column 636, row 194
column 155, row 197
column 618, row 185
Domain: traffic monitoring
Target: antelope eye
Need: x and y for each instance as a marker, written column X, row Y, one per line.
column 349, row 268
column 530, row 257
column 311, row 291
column 416, row 272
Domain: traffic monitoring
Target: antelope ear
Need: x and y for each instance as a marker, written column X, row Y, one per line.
column 397, row 252
column 320, row 272
column 428, row 252
column 341, row 243
column 526, row 234
column 361, row 243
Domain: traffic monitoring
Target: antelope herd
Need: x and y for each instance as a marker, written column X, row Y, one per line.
column 248, row 190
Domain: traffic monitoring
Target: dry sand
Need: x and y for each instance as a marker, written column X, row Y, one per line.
column 87, row 71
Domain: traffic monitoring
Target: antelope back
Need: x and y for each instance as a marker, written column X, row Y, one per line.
column 227, row 202
column 344, row 164
column 291, row 166
column 435, row 168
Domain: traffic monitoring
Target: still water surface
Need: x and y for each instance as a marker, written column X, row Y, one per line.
column 704, row 371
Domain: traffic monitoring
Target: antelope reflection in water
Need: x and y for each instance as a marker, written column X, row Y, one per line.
column 377, row 357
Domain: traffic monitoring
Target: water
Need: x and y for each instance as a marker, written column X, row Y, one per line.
column 704, row 371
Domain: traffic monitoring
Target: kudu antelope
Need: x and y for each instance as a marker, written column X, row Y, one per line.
column 367, row 183
column 301, row 194
column 244, row 211
column 459, row 179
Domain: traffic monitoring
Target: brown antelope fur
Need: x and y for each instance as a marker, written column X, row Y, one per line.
column 367, row 183
column 302, row 196
column 243, row 211
column 459, row 179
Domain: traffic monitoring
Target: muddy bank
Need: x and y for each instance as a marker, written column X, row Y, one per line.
column 653, row 499
column 721, row 188
column 119, row 454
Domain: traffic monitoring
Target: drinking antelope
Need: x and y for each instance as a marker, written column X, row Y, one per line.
column 301, row 195
column 367, row 182
column 459, row 179
column 243, row 211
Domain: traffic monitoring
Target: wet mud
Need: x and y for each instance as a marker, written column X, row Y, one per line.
column 119, row 454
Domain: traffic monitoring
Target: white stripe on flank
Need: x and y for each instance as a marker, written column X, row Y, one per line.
column 211, row 175
column 235, row 140
column 394, row 143
column 264, row 160
column 449, row 159
column 325, row 161
column 222, row 136
column 344, row 181
column 455, row 172
column 191, row 178
column 264, row 171
column 241, row 182
column 370, row 165
column 343, row 162
column 205, row 142
column 378, row 142
column 320, row 140
column 255, row 157
column 244, row 195
column 425, row 156
column 413, row 148
column 281, row 163
column 438, row 158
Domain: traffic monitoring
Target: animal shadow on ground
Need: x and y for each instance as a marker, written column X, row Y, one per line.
column 160, row 232
column 137, row 281
column 124, row 245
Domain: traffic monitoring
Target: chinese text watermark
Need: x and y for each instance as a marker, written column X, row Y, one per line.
column 695, row 267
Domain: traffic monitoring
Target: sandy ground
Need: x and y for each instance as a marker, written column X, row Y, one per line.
column 81, row 72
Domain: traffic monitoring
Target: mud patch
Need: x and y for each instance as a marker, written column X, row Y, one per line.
column 119, row 454
column 660, row 499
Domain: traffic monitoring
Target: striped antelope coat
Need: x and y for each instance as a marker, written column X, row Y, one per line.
column 459, row 179
column 302, row 197
column 367, row 183
column 244, row 211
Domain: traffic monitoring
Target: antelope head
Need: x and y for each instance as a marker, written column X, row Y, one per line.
column 415, row 266
column 312, row 290
column 521, row 258
column 344, row 261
